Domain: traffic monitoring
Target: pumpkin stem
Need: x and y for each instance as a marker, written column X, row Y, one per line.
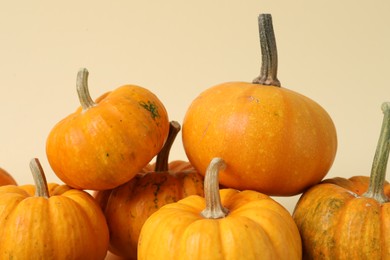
column 269, row 54
column 82, row 89
column 214, row 208
column 163, row 155
column 378, row 170
column 41, row 189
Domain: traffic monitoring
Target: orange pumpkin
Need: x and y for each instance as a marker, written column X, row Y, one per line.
column 128, row 206
column 274, row 140
column 50, row 222
column 226, row 224
column 105, row 143
column 349, row 218
column 6, row 178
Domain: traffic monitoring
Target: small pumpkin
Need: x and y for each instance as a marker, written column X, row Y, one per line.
column 6, row 178
column 274, row 140
column 50, row 221
column 349, row 218
column 225, row 224
column 105, row 143
column 128, row 206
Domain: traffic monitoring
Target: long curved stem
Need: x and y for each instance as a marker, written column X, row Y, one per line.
column 379, row 165
column 82, row 89
column 41, row 189
column 163, row 156
column 214, row 208
column 269, row 54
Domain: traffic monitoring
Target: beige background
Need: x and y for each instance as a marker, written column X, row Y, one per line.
column 335, row 52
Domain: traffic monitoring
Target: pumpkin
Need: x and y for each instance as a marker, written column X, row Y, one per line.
column 128, row 206
column 349, row 218
column 275, row 140
column 50, row 221
column 105, row 143
column 6, row 178
column 225, row 224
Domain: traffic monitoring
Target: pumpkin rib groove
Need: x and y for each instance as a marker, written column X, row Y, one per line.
column 257, row 229
column 360, row 222
column 272, row 215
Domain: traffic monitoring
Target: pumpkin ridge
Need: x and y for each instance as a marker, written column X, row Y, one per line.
column 274, row 211
column 69, row 201
column 11, row 203
column 257, row 227
column 363, row 219
column 384, row 227
column 29, row 207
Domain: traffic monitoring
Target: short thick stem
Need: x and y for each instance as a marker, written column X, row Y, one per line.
column 41, row 188
column 162, row 159
column 378, row 170
column 83, row 91
column 269, row 54
column 214, row 208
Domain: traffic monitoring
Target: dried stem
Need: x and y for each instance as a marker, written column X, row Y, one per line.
column 269, row 54
column 214, row 208
column 82, row 89
column 41, row 188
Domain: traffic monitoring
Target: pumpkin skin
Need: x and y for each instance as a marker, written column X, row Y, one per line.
column 336, row 222
column 127, row 207
column 66, row 225
column 274, row 140
column 279, row 141
column 349, row 218
column 104, row 144
column 6, row 178
column 255, row 227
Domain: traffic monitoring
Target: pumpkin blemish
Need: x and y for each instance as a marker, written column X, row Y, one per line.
column 151, row 107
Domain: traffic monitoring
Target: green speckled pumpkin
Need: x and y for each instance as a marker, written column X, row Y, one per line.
column 349, row 218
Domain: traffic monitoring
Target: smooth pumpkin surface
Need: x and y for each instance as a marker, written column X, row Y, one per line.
column 226, row 224
column 127, row 207
column 6, row 178
column 105, row 143
column 50, row 222
column 349, row 218
column 273, row 139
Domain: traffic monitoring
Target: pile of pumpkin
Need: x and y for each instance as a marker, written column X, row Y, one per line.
column 245, row 142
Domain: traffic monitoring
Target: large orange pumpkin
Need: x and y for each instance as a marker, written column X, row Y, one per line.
column 226, row 224
column 349, row 218
column 128, row 206
column 6, row 178
column 50, row 222
column 105, row 143
column 274, row 140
